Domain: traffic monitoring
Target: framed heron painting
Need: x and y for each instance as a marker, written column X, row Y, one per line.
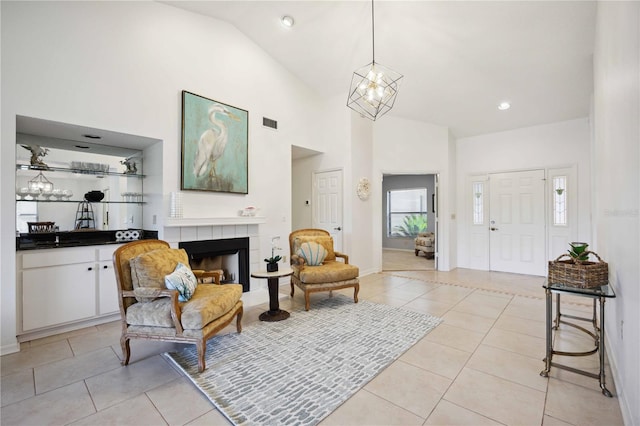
column 215, row 139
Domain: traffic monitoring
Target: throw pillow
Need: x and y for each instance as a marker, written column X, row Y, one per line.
column 150, row 268
column 183, row 280
column 312, row 253
column 325, row 241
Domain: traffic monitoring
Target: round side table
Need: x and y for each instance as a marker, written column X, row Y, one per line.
column 273, row 279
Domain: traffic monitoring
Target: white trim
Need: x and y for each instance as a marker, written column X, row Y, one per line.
column 235, row 220
column 9, row 349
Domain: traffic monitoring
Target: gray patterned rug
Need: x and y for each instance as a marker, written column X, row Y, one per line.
column 297, row 371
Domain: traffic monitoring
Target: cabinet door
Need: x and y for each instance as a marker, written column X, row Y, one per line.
column 58, row 294
column 108, row 290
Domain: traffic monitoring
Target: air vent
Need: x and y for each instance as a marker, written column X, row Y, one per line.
column 267, row 122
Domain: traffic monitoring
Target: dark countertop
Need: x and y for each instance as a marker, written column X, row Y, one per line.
column 49, row 240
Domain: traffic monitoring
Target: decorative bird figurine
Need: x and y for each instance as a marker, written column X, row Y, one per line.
column 130, row 165
column 36, row 152
column 212, row 143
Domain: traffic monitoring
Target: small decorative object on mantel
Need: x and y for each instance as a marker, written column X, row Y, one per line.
column 363, row 190
column 272, row 262
column 249, row 211
column 577, row 270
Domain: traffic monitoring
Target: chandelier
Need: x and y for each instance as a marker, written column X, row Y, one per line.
column 373, row 87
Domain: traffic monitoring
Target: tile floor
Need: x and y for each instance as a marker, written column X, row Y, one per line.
column 479, row 367
column 405, row 260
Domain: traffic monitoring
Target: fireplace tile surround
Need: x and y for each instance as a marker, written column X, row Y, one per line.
column 176, row 234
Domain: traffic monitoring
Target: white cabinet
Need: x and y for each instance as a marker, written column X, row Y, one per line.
column 58, row 294
column 65, row 286
column 107, row 286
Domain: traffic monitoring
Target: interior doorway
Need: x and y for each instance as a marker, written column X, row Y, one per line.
column 327, row 205
column 409, row 207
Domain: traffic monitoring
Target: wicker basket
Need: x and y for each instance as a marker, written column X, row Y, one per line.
column 576, row 273
column 39, row 227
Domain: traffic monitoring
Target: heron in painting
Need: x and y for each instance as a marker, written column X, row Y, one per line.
column 212, row 142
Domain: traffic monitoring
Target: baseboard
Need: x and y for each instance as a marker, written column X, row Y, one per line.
column 65, row 328
column 9, row 349
column 625, row 405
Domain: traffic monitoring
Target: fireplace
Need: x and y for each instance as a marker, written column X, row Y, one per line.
column 230, row 254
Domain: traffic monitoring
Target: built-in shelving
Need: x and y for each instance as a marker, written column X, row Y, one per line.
column 77, row 171
column 80, row 201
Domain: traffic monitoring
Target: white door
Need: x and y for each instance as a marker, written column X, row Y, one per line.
column 327, row 206
column 516, row 222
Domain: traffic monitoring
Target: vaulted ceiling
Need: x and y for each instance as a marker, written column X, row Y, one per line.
column 459, row 59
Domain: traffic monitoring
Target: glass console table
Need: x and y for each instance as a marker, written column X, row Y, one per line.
column 598, row 294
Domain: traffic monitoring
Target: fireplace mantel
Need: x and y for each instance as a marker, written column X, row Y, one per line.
column 212, row 221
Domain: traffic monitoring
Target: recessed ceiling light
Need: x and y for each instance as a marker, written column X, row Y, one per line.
column 504, row 105
column 287, row 21
column 92, row 136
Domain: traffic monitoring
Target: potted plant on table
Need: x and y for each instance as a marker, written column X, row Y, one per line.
column 272, row 262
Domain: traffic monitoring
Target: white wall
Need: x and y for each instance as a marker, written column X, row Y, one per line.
column 122, row 66
column 345, row 143
column 404, row 146
column 616, row 204
column 362, row 250
column 539, row 147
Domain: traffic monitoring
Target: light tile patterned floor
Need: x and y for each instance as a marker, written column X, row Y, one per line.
column 481, row 366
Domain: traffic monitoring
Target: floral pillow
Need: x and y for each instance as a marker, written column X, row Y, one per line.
column 183, row 280
column 312, row 253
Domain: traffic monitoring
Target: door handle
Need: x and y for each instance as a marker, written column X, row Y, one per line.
column 338, row 228
column 493, row 229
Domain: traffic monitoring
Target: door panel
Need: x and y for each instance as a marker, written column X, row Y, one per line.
column 517, row 236
column 327, row 212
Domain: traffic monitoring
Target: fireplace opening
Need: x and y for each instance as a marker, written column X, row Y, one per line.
column 231, row 255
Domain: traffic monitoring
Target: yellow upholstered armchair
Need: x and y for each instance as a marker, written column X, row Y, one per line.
column 150, row 310
column 316, row 266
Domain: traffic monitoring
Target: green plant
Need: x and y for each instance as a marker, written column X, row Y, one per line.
column 411, row 226
column 579, row 251
column 273, row 259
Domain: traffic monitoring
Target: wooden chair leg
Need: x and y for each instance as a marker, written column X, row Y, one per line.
column 239, row 320
column 307, row 301
column 356, row 289
column 126, row 350
column 292, row 288
column 201, row 346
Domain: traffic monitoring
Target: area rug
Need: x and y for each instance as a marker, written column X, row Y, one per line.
column 297, row 371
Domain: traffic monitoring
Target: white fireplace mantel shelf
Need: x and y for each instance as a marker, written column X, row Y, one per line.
column 171, row 222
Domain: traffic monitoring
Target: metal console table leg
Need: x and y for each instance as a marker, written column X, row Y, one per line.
column 553, row 323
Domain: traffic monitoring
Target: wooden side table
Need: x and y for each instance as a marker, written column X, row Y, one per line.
column 598, row 294
column 273, row 279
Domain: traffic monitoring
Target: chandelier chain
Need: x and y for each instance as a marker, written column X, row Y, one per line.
column 373, row 34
